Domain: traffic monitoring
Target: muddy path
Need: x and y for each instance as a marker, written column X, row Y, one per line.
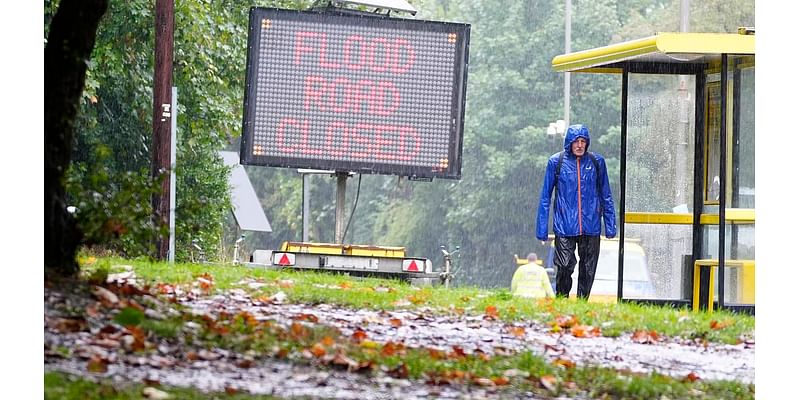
column 220, row 370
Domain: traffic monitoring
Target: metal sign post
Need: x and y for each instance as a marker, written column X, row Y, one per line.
column 173, row 160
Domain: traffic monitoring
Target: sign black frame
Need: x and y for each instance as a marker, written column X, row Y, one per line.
column 449, row 169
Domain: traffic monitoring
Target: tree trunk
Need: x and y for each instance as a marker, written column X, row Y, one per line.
column 69, row 47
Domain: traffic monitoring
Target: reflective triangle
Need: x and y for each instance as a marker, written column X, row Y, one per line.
column 284, row 260
column 412, row 266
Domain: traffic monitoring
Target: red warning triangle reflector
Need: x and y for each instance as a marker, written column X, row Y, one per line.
column 413, row 266
column 284, row 260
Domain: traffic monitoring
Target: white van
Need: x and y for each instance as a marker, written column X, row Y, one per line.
column 636, row 284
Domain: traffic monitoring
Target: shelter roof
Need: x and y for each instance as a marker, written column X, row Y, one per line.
column 661, row 48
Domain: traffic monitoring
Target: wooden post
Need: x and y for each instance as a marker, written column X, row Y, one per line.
column 162, row 117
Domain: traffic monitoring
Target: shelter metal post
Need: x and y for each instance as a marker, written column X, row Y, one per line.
column 623, row 149
column 723, row 173
column 699, row 154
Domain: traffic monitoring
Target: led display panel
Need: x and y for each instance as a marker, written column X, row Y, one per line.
column 366, row 94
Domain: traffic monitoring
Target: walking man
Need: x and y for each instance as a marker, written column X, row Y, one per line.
column 582, row 199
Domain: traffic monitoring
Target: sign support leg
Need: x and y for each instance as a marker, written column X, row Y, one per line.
column 341, row 189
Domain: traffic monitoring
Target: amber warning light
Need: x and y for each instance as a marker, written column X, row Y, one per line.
column 355, row 93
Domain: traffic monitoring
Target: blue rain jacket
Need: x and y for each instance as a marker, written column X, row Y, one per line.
column 576, row 213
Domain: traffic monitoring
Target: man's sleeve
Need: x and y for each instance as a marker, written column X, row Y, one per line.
column 609, row 213
column 544, row 200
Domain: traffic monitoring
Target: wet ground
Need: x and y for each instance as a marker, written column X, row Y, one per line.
column 220, row 370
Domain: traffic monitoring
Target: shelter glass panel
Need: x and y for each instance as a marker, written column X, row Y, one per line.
column 659, row 177
column 744, row 164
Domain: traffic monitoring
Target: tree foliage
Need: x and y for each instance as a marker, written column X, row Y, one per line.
column 512, row 96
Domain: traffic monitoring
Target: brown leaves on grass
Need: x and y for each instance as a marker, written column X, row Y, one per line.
column 716, row 325
column 205, row 282
column 393, row 348
column 345, row 285
column 359, row 335
column 284, row 283
column 565, row 321
column 67, row 325
column 490, row 313
column 691, row 377
column 398, row 372
column 549, row 382
column 516, row 331
column 107, row 297
column 306, row 317
column 564, row 362
column 645, row 337
column 97, row 364
column 585, row 331
column 298, row 331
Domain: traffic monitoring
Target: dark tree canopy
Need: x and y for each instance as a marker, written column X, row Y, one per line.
column 69, row 46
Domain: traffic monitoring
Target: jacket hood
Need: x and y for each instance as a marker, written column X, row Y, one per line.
column 573, row 133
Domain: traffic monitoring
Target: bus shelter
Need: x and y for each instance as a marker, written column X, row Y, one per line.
column 687, row 163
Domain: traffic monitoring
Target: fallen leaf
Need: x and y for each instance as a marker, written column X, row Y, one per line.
column 206, row 282
column 457, row 352
column 206, row 355
column 720, row 325
column 106, row 296
column 645, row 337
column 563, row 362
column 306, row 317
column 517, row 331
column 566, row 321
column 483, row 382
column 401, row 303
column 66, row 325
column 299, row 331
column 692, row 377
column 318, row 350
column 436, row 354
column 341, row 360
column 491, row 312
column 501, row 380
column 585, row 331
column 554, row 349
column 345, row 285
column 396, row 322
column 391, row 348
column 97, row 364
column 549, row 382
column 398, row 372
column 359, row 335
column 277, row 298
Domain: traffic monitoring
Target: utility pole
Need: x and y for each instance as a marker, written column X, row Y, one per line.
column 162, row 117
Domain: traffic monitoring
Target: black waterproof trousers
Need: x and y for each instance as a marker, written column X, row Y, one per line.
column 564, row 261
